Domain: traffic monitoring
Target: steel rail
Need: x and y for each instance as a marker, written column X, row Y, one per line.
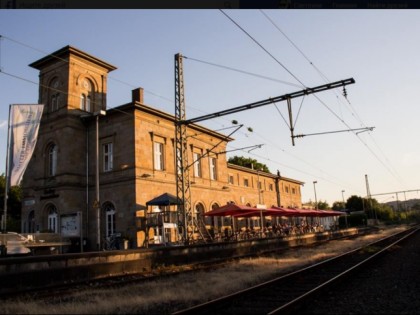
column 261, row 298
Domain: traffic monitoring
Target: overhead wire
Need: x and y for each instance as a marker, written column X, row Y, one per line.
column 24, row 79
column 242, row 71
column 67, row 61
column 352, row 111
column 263, row 48
column 294, row 76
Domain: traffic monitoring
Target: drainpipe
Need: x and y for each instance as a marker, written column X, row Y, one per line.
column 278, row 188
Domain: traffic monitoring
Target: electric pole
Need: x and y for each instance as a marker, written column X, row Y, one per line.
column 183, row 189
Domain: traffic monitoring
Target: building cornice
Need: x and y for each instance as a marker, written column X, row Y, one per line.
column 261, row 173
column 67, row 51
column 164, row 115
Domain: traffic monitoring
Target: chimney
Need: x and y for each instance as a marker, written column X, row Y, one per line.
column 137, row 95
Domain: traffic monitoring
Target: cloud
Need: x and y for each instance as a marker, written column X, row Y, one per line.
column 3, row 124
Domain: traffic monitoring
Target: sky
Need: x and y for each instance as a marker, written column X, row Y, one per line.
column 237, row 57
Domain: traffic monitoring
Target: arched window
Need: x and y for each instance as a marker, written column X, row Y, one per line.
column 83, row 102
column 52, row 159
column 86, row 96
column 217, row 221
column 199, row 210
column 52, row 219
column 88, row 103
column 110, row 225
column 54, row 95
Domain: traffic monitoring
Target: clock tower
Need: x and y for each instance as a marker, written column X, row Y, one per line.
column 59, row 180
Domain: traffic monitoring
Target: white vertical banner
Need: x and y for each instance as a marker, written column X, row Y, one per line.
column 24, row 122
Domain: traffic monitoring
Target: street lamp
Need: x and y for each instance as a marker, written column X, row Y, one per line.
column 96, row 203
column 316, row 201
column 342, row 194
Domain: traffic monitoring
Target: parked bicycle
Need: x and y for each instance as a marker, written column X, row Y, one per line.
column 112, row 242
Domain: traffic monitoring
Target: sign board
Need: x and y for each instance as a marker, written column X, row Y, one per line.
column 169, row 225
column 70, row 225
column 29, row 202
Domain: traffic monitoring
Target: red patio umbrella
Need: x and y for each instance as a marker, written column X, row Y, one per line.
column 230, row 210
column 293, row 212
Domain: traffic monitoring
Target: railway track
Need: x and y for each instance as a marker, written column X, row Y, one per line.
column 284, row 294
column 120, row 281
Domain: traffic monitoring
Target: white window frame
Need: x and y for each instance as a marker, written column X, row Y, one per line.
column 110, row 226
column 197, row 164
column 82, row 101
column 53, row 219
column 107, row 156
column 87, row 103
column 213, row 168
column 159, row 156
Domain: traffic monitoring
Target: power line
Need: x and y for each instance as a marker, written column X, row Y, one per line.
column 123, row 82
column 352, row 111
column 262, row 47
column 242, row 71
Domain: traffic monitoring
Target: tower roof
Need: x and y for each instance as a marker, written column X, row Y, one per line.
column 67, row 51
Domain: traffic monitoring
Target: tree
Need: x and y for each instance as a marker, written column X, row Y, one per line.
column 339, row 206
column 249, row 163
column 14, row 205
column 323, row 205
column 355, row 203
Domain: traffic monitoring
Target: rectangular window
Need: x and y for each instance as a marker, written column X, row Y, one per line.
column 197, row 164
column 287, row 189
column 52, row 160
column 231, row 179
column 107, row 156
column 213, row 168
column 159, row 156
column 294, row 191
column 270, row 187
column 246, row 182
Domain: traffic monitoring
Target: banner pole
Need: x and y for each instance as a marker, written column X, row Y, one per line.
column 6, row 177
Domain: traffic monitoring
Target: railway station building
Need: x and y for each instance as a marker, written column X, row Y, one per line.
column 90, row 160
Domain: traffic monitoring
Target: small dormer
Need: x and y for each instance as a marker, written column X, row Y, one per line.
column 72, row 81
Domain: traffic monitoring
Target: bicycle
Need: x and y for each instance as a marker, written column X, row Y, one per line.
column 111, row 242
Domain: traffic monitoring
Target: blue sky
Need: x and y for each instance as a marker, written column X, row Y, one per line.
column 378, row 48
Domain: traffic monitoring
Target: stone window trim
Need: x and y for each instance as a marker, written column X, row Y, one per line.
column 107, row 156
column 87, row 88
column 197, row 160
column 53, row 218
column 213, row 167
column 158, row 151
column 231, row 179
column 53, row 93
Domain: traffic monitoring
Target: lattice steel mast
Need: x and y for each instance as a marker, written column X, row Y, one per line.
column 187, row 218
column 183, row 189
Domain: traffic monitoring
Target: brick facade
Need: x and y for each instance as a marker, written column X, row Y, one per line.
column 136, row 158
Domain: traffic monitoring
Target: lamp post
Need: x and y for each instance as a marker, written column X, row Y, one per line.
column 342, row 194
column 316, row 201
column 259, row 197
column 96, row 203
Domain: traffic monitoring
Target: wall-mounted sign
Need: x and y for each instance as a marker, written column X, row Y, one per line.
column 70, row 224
